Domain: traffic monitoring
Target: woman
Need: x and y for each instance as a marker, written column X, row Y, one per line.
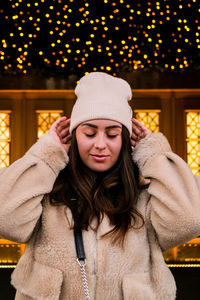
column 91, row 173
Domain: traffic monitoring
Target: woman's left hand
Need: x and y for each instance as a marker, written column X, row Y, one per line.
column 139, row 131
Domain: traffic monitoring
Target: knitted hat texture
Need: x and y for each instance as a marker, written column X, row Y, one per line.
column 102, row 96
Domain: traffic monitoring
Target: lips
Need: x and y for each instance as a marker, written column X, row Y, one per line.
column 99, row 157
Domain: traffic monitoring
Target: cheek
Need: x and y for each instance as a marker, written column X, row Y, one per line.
column 116, row 147
column 83, row 146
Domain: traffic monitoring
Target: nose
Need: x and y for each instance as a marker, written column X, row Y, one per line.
column 100, row 142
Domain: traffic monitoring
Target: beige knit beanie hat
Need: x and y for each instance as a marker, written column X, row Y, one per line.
column 102, row 96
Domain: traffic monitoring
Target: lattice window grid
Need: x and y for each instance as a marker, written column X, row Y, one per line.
column 45, row 118
column 193, row 140
column 150, row 118
column 5, row 138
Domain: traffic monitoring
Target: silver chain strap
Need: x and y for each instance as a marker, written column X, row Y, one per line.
column 84, row 278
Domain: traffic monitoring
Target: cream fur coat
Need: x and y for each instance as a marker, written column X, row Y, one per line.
column 48, row 270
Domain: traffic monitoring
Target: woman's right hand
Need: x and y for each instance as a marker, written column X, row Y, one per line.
column 60, row 132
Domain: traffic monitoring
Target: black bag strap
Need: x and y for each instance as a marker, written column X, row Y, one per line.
column 80, row 252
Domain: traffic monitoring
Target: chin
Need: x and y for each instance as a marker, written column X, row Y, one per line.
column 99, row 169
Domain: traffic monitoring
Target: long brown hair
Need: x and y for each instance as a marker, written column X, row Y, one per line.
column 92, row 194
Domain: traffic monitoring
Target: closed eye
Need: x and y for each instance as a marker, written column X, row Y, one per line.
column 90, row 135
column 112, row 135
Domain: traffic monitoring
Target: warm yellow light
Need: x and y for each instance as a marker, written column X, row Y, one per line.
column 108, row 68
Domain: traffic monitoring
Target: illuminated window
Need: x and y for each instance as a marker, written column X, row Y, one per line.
column 186, row 255
column 150, row 118
column 45, row 119
column 10, row 253
column 5, row 138
column 193, row 140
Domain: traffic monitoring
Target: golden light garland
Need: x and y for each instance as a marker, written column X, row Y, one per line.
column 80, row 36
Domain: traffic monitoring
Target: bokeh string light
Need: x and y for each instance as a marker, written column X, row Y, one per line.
column 60, row 37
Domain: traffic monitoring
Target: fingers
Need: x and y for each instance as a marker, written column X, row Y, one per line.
column 63, row 128
column 57, row 123
column 139, row 128
column 139, row 131
column 66, row 139
column 60, row 131
column 60, row 126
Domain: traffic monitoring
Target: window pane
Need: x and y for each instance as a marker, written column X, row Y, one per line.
column 150, row 118
column 45, row 119
column 193, row 140
column 5, row 138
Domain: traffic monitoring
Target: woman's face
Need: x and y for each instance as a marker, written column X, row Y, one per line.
column 99, row 143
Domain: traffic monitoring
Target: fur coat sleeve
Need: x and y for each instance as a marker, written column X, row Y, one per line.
column 173, row 209
column 23, row 186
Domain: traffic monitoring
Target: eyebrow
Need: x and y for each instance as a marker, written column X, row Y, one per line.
column 107, row 127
